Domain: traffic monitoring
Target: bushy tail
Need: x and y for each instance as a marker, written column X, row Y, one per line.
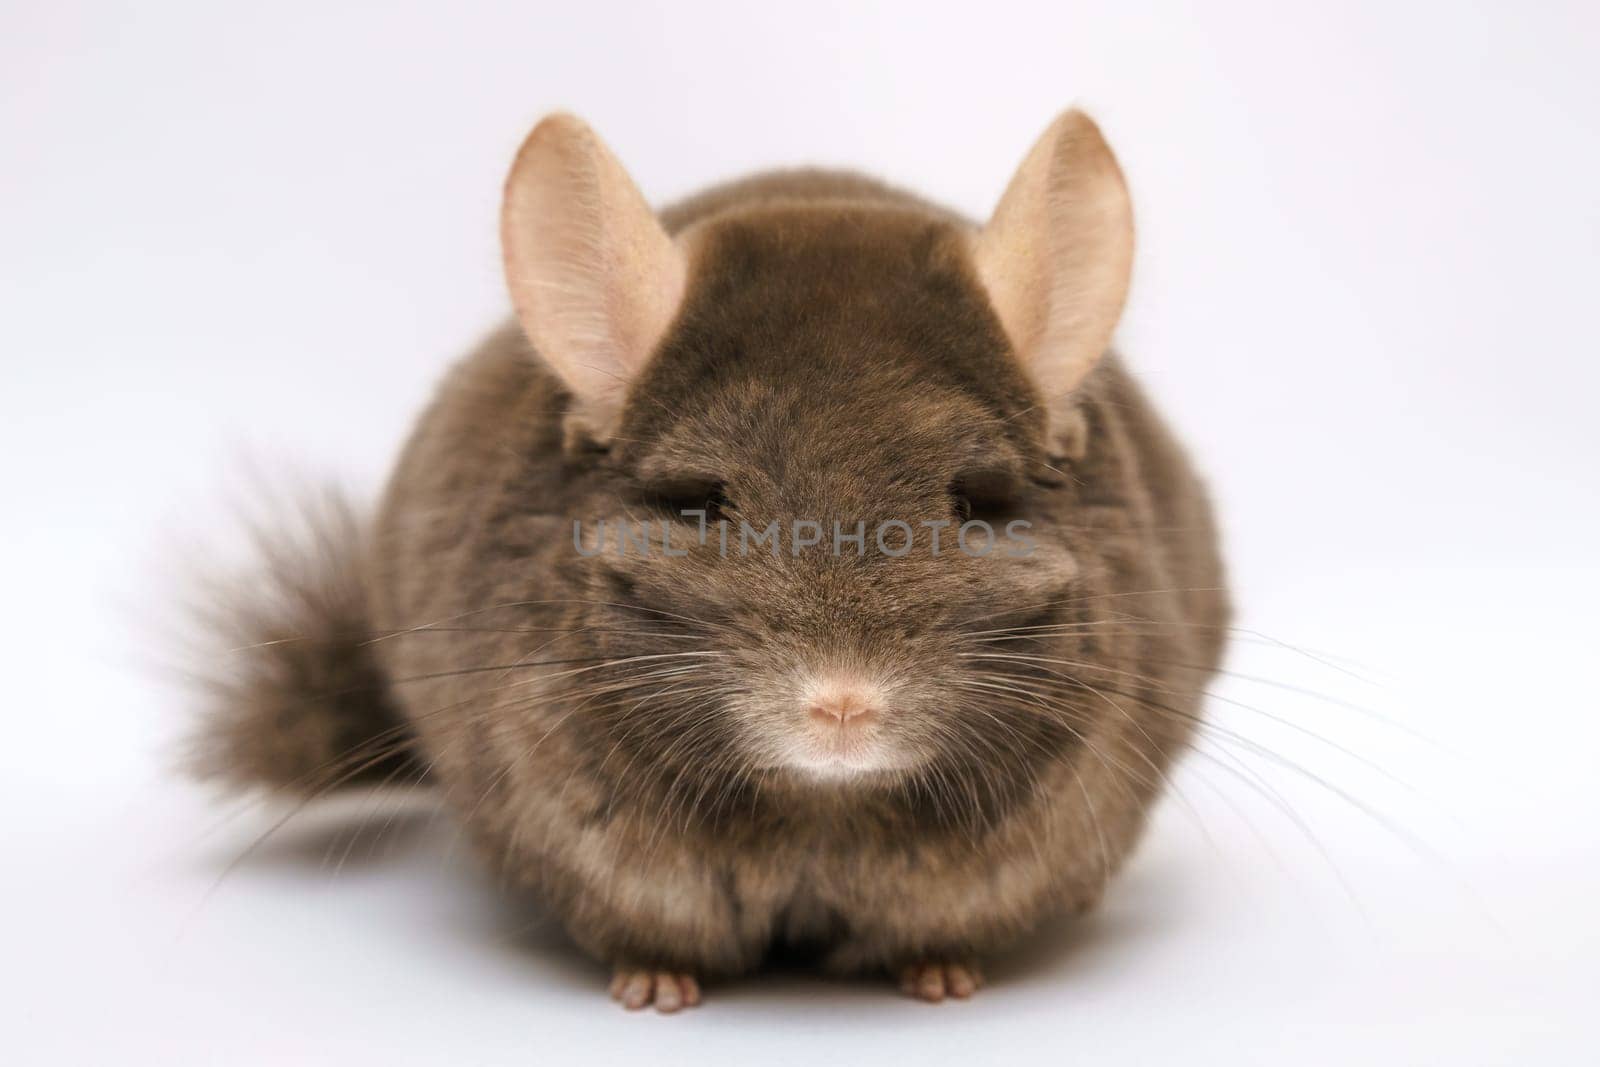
column 294, row 697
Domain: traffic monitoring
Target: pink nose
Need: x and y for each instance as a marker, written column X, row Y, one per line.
column 838, row 705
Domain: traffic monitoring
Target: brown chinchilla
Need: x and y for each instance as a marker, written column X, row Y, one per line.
column 797, row 572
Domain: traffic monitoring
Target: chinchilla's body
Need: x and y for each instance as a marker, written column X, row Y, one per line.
column 701, row 749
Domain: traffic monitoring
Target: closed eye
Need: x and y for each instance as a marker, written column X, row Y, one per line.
column 678, row 497
column 987, row 495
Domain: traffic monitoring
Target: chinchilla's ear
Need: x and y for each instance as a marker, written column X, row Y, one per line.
column 1055, row 260
column 594, row 278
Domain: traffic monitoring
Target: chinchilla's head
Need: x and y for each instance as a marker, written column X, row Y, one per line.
column 830, row 439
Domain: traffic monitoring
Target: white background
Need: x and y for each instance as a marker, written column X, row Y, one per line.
column 234, row 235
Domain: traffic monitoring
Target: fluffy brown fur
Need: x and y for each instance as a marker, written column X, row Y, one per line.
column 295, row 697
column 613, row 730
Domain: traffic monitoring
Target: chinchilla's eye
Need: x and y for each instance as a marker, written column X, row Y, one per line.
column 698, row 495
column 986, row 495
column 715, row 502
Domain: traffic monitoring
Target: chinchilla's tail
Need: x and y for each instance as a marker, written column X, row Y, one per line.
column 294, row 698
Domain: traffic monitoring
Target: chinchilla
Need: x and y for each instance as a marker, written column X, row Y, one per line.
column 797, row 571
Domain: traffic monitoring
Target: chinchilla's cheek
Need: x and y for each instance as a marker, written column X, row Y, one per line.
column 1022, row 573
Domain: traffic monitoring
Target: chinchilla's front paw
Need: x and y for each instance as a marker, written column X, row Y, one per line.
column 932, row 980
column 668, row 991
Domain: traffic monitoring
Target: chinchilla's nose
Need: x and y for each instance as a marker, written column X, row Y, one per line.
column 840, row 702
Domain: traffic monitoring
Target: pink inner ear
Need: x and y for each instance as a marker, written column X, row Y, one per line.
column 594, row 278
column 1056, row 256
